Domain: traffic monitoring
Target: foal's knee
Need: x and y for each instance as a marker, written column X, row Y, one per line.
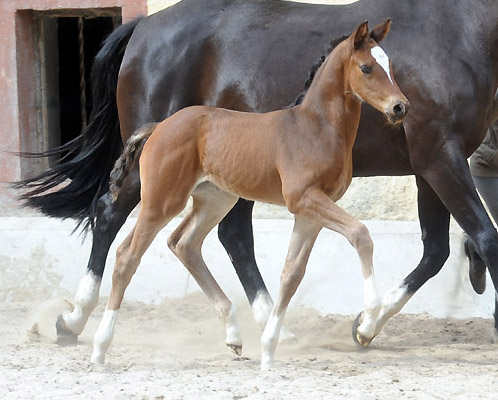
column 360, row 238
column 120, row 251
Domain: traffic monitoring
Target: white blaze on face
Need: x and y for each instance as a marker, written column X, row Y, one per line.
column 382, row 59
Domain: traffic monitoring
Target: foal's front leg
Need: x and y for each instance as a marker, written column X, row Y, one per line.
column 322, row 210
column 302, row 240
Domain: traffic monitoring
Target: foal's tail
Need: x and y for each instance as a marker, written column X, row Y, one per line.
column 85, row 162
column 131, row 152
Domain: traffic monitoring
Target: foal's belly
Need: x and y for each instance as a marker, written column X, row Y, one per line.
column 266, row 191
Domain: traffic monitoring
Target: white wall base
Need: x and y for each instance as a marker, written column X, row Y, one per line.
column 41, row 260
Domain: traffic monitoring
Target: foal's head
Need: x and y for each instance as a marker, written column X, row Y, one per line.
column 370, row 74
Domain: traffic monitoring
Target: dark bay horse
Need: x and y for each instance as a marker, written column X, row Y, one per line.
column 217, row 156
column 251, row 55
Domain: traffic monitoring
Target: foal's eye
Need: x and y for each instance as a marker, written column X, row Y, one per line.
column 366, row 69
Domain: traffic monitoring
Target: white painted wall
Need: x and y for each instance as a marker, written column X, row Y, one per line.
column 157, row 5
column 40, row 260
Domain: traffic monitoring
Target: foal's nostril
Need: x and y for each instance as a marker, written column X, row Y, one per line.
column 399, row 110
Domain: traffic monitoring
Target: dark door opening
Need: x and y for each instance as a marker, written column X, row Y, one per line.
column 76, row 51
column 50, row 76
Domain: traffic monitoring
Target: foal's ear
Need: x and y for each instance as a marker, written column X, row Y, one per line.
column 380, row 31
column 360, row 34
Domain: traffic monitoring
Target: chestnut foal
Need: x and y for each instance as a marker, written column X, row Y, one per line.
column 298, row 157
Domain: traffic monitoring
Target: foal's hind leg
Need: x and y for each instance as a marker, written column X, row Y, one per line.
column 209, row 206
column 128, row 258
column 110, row 218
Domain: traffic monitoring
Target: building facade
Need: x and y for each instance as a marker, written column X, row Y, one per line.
column 46, row 49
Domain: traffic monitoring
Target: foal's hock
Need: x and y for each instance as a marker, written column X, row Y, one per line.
column 298, row 157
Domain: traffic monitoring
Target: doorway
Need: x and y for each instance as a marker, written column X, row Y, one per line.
column 79, row 40
column 55, row 93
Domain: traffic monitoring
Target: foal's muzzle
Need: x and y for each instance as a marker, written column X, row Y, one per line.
column 397, row 111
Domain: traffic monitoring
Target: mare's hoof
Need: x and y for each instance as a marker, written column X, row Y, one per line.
column 236, row 348
column 478, row 280
column 363, row 341
column 477, row 269
column 65, row 337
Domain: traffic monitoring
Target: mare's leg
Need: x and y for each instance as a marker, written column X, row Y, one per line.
column 303, row 237
column 236, row 234
column 209, row 206
column 488, row 189
column 110, row 217
column 477, row 268
column 128, row 257
column 450, row 177
column 450, row 181
column 434, row 223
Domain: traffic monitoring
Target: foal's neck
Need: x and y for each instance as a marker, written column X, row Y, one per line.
column 330, row 96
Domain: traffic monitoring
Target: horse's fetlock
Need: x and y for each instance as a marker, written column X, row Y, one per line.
column 225, row 311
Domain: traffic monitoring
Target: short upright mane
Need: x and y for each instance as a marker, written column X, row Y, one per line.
column 314, row 68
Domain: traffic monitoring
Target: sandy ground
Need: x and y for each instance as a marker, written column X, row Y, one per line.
column 175, row 351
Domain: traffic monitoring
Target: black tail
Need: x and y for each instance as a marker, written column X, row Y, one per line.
column 132, row 150
column 94, row 150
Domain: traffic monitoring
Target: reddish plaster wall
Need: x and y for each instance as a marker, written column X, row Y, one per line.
column 11, row 93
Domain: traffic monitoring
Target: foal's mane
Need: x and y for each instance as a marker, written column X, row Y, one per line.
column 314, row 68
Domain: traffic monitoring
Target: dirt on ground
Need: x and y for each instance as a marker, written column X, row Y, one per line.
column 175, row 350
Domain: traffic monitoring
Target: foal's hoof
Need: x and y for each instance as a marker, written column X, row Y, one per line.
column 65, row 337
column 360, row 339
column 236, row 348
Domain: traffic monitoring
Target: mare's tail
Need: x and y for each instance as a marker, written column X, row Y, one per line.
column 93, row 152
column 131, row 152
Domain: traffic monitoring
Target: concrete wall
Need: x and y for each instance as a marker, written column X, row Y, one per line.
column 40, row 260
